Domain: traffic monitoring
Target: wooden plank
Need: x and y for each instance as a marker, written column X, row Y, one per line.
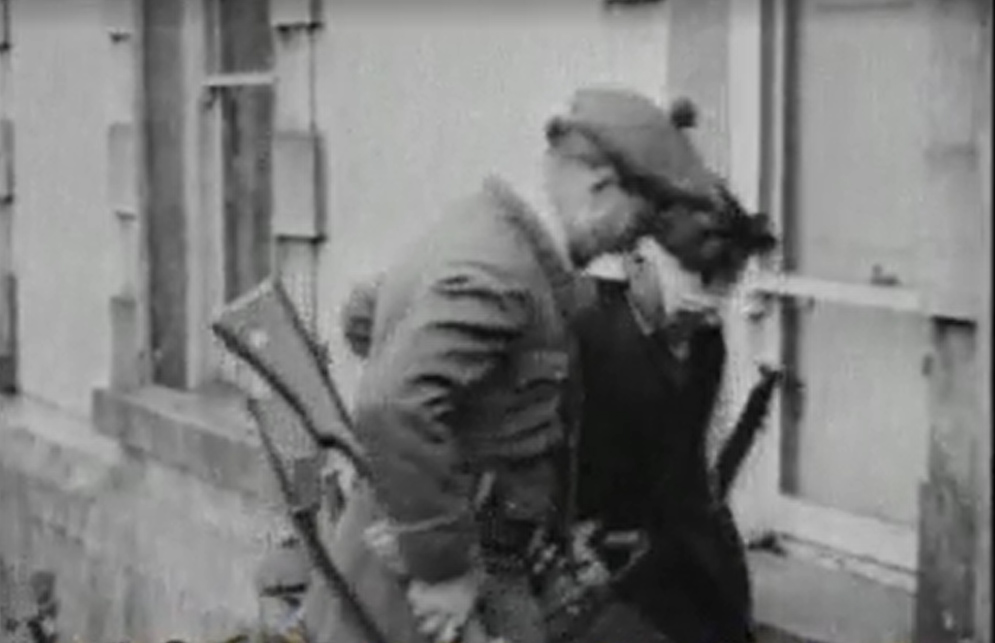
column 859, row 295
column 295, row 181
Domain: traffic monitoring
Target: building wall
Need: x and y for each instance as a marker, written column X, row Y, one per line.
column 63, row 239
column 416, row 112
column 153, row 518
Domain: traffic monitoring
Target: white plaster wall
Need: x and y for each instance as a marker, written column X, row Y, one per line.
column 63, row 231
column 416, row 112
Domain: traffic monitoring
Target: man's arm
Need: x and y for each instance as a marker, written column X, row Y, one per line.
column 457, row 331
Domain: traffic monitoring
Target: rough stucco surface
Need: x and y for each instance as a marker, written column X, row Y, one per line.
column 59, row 67
column 140, row 551
column 417, row 112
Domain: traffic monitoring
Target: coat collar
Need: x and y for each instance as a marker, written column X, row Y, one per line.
column 554, row 261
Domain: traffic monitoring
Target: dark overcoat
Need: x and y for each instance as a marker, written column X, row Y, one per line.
column 644, row 465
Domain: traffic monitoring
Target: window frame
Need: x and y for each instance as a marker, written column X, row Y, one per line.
column 209, row 363
column 759, row 44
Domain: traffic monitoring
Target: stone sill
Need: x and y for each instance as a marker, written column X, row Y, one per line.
column 801, row 601
column 209, row 436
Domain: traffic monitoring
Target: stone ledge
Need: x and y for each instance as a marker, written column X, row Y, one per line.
column 141, row 550
column 209, row 436
column 798, row 601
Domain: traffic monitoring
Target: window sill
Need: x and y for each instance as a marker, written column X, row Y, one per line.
column 207, row 434
column 801, row 601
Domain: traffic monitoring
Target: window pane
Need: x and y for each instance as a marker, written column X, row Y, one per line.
column 247, row 142
column 245, row 41
column 856, row 427
column 855, row 430
column 859, row 127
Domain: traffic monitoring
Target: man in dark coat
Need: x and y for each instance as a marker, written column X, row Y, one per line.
column 654, row 343
column 461, row 404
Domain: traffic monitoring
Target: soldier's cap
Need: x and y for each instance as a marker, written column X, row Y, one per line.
column 698, row 219
column 648, row 146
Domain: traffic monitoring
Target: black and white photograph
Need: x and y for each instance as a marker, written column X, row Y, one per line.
column 495, row 321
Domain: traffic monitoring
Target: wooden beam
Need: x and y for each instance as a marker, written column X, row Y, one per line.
column 782, row 285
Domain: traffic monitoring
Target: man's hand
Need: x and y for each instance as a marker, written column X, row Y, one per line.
column 443, row 609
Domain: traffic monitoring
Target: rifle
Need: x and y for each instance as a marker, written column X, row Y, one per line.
column 250, row 328
column 263, row 329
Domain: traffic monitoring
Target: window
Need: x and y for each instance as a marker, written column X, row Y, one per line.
column 239, row 90
column 846, row 155
column 243, row 60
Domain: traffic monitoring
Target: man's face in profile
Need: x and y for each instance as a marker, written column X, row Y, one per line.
column 600, row 216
